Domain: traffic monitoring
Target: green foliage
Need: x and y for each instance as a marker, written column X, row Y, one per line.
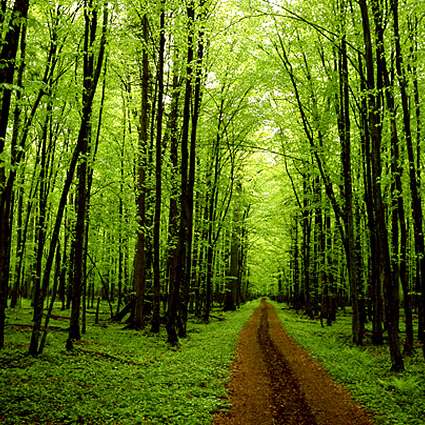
column 396, row 398
column 119, row 377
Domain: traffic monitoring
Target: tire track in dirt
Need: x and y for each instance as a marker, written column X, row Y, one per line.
column 249, row 389
column 276, row 382
column 289, row 404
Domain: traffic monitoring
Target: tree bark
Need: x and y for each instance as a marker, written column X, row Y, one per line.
column 92, row 71
column 7, row 71
column 188, row 204
column 182, row 248
column 384, row 274
column 232, row 278
column 345, row 140
column 173, row 217
column 414, row 180
column 140, row 255
column 155, row 325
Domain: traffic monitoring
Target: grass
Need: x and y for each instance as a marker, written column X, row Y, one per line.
column 115, row 376
column 127, row 377
column 396, row 398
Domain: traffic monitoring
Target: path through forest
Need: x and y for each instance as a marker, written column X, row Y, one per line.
column 275, row 381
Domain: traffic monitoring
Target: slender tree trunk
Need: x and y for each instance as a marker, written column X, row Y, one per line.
column 41, row 219
column 188, row 203
column 211, row 213
column 140, row 255
column 173, row 218
column 345, row 139
column 211, row 195
column 182, row 253
column 52, row 301
column 306, row 247
column 33, row 348
column 158, row 178
column 375, row 128
column 20, row 241
column 121, row 238
column 230, row 299
column 8, row 54
column 92, row 71
column 414, row 180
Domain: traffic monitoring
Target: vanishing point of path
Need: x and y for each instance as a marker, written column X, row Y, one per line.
column 275, row 381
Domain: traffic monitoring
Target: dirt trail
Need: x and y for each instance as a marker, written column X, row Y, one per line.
column 275, row 382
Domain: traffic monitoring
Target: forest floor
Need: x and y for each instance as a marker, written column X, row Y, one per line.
column 275, row 381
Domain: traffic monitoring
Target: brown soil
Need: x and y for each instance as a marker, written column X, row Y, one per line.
column 275, row 381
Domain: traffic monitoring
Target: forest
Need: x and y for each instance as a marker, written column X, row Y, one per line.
column 164, row 163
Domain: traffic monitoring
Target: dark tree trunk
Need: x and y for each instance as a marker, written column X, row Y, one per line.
column 92, row 70
column 41, row 219
column 158, row 178
column 188, row 202
column 296, row 301
column 173, row 217
column 305, row 248
column 181, row 273
column 399, row 230
column 20, row 241
column 7, row 56
column 52, row 301
column 345, row 139
column 384, row 274
column 212, row 181
column 140, row 255
column 414, row 179
column 232, row 279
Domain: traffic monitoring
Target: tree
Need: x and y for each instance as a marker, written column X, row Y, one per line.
column 91, row 73
column 141, row 158
column 10, row 43
column 188, row 162
column 158, row 176
column 414, row 180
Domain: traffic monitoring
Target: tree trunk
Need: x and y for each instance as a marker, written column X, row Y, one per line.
column 7, row 56
column 158, row 178
column 140, row 255
column 345, row 140
column 188, row 203
column 92, row 71
column 414, row 180
column 20, row 241
column 173, row 217
column 384, row 274
column 232, row 278
column 181, row 273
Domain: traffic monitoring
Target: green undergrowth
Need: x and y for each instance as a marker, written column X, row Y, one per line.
column 395, row 398
column 118, row 377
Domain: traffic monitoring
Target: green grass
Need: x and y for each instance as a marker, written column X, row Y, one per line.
column 117, row 377
column 396, row 398
column 128, row 377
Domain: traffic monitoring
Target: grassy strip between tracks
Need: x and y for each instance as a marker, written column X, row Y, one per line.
column 115, row 376
column 396, row 398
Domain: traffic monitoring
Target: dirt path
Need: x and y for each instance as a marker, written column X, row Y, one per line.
column 275, row 381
